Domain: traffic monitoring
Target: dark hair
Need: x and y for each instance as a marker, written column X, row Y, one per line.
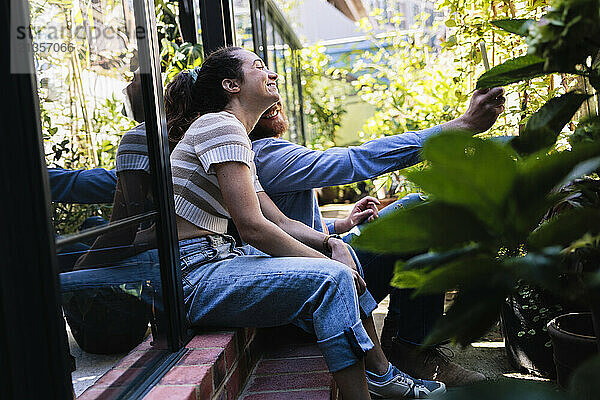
column 197, row 92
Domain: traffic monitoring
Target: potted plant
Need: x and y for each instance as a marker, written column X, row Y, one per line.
column 481, row 230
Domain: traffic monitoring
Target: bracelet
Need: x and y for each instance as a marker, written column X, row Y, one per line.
column 326, row 245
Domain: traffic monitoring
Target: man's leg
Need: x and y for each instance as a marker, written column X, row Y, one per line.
column 410, row 320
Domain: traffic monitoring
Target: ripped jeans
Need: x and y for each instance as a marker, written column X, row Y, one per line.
column 225, row 286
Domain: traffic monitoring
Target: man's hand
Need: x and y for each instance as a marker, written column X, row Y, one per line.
column 340, row 252
column 485, row 107
column 364, row 209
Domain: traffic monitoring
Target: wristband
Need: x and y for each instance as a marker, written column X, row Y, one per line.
column 326, row 245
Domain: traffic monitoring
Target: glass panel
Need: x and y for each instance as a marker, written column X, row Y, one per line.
column 92, row 116
column 258, row 20
column 291, row 92
column 296, row 88
column 280, row 63
column 243, row 24
column 270, row 44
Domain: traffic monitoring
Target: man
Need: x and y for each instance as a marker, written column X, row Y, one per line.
column 289, row 173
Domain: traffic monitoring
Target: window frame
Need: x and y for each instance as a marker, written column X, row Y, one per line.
column 263, row 13
column 31, row 254
column 44, row 325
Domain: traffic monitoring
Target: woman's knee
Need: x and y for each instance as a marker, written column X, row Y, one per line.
column 338, row 273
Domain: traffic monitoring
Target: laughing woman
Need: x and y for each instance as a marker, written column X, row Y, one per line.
column 284, row 275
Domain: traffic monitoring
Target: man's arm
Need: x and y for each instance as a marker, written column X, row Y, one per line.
column 94, row 186
column 286, row 167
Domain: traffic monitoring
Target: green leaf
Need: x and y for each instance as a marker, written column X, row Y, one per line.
column 544, row 126
column 472, row 314
column 515, row 70
column 541, row 268
column 566, row 228
column 433, row 259
column 417, row 229
column 468, row 171
column 450, row 23
column 462, row 273
column 512, row 389
column 516, row 26
column 538, row 176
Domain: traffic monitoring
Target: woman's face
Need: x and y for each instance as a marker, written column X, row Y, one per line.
column 260, row 84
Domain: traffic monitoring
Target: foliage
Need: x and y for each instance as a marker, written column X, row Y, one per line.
column 82, row 129
column 324, row 92
column 408, row 81
column 567, row 35
column 482, row 225
column 175, row 55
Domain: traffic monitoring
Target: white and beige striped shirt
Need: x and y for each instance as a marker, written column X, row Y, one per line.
column 211, row 139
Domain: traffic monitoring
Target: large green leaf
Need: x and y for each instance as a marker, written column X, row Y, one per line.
column 516, row 26
column 512, row 389
column 539, row 175
column 543, row 127
column 472, row 314
column 462, row 273
column 432, row 259
column 541, row 268
column 514, row 70
column 566, row 227
column 417, row 229
column 468, row 171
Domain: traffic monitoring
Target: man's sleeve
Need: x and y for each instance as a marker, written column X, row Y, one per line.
column 286, row 167
column 94, row 186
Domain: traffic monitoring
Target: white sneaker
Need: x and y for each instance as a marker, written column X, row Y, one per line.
column 403, row 386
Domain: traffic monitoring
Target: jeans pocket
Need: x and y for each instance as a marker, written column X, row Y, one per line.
column 191, row 260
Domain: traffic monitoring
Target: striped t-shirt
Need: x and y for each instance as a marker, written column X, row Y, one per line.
column 132, row 153
column 211, row 139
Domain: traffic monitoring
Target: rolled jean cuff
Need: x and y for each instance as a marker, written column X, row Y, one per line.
column 346, row 348
column 367, row 303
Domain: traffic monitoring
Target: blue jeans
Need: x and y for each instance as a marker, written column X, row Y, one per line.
column 242, row 287
column 415, row 316
column 108, row 308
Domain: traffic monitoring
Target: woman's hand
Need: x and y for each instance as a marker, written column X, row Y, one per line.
column 340, row 252
column 364, row 209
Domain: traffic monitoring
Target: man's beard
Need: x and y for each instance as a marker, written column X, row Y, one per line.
column 267, row 128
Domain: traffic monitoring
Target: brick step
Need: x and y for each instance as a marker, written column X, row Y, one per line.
column 216, row 366
column 291, row 368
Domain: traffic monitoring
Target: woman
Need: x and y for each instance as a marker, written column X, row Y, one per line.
column 283, row 276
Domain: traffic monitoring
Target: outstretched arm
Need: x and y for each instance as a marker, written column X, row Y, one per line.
column 286, row 167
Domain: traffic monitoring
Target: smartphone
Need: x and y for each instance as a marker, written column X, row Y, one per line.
column 484, row 57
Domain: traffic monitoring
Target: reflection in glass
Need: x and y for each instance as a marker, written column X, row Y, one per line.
column 94, row 136
column 270, row 60
column 243, row 24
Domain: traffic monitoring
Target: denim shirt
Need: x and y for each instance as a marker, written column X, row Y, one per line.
column 94, row 186
column 289, row 172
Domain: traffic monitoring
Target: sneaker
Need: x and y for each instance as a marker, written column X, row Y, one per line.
column 430, row 363
column 402, row 386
